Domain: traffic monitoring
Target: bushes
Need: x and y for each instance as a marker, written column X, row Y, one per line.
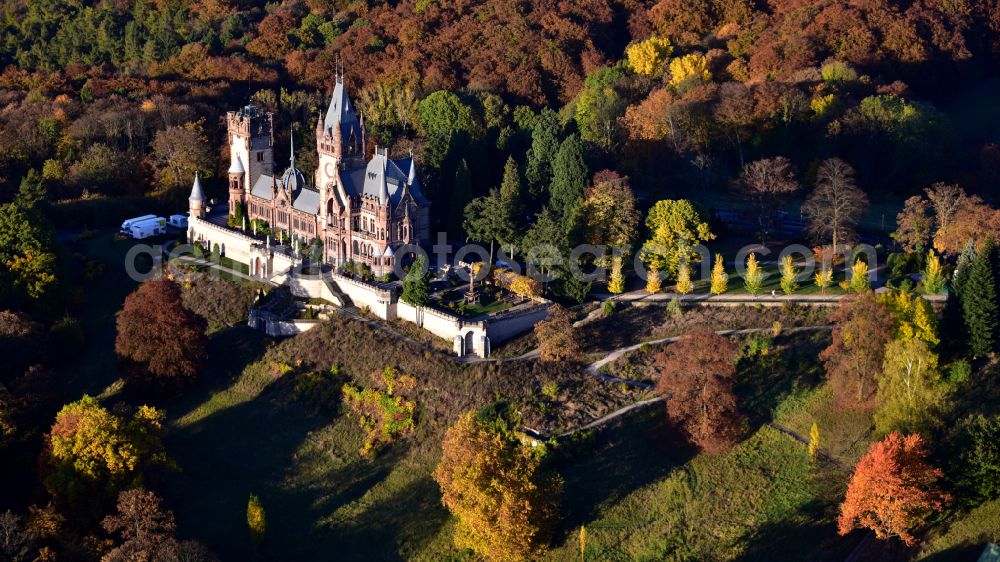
column 381, row 410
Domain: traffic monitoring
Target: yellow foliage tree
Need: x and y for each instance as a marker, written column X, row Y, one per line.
column 256, row 520
column 93, row 451
column 788, row 273
column 823, row 278
column 813, row 442
column 859, row 277
column 753, row 279
column 617, row 283
column 653, row 280
column 684, row 285
column 720, row 279
column 913, row 317
column 647, row 57
column 689, row 70
column 932, row 280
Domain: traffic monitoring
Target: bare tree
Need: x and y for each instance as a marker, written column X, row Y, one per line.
column 768, row 183
column 836, row 205
column 946, row 200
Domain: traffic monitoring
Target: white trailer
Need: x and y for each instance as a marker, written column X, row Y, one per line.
column 152, row 227
column 178, row 221
column 127, row 225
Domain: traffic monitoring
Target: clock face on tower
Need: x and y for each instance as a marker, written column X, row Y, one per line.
column 329, row 169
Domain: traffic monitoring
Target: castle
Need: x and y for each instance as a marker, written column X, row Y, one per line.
column 360, row 211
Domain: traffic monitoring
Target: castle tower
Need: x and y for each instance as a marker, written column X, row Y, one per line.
column 237, row 191
column 196, row 201
column 251, row 140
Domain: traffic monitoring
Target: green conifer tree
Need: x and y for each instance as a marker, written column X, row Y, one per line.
column 569, row 178
column 979, row 303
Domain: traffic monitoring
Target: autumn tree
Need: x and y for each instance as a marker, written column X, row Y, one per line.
column 556, row 338
column 836, row 204
column 92, row 452
column 910, row 390
column 892, row 490
column 676, row 227
column 648, row 57
column 688, row 71
column 256, row 518
column 914, row 224
column 753, row 278
column 496, row 486
column 854, row 358
column 158, row 339
column 146, row 530
column 969, row 218
column 789, row 273
column 179, row 152
column 697, row 375
column 611, row 217
column 720, row 279
column 768, row 183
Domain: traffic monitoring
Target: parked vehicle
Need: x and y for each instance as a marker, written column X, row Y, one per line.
column 178, row 221
column 152, row 227
column 127, row 225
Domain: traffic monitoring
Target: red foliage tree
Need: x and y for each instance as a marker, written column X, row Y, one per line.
column 697, row 375
column 892, row 489
column 862, row 328
column 158, row 339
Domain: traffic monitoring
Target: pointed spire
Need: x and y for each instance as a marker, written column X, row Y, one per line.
column 291, row 138
column 197, row 193
column 383, row 191
column 411, row 178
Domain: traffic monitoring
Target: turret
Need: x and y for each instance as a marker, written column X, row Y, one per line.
column 237, row 178
column 196, row 202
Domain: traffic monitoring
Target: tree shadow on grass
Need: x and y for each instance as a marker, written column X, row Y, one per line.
column 620, row 458
column 272, row 446
column 763, row 382
column 813, row 537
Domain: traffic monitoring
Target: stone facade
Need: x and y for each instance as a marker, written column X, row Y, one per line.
column 361, row 209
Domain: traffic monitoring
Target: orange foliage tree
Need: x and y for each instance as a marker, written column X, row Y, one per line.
column 556, row 340
column 697, row 375
column 494, row 483
column 892, row 489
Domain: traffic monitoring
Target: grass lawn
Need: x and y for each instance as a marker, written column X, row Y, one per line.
column 756, row 501
column 96, row 367
column 243, row 432
column 964, row 537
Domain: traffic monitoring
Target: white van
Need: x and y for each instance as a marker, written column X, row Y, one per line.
column 152, row 227
column 178, row 221
column 127, row 225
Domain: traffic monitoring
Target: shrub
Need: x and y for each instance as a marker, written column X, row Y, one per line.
column 256, row 520
column 550, row 390
column 381, row 411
